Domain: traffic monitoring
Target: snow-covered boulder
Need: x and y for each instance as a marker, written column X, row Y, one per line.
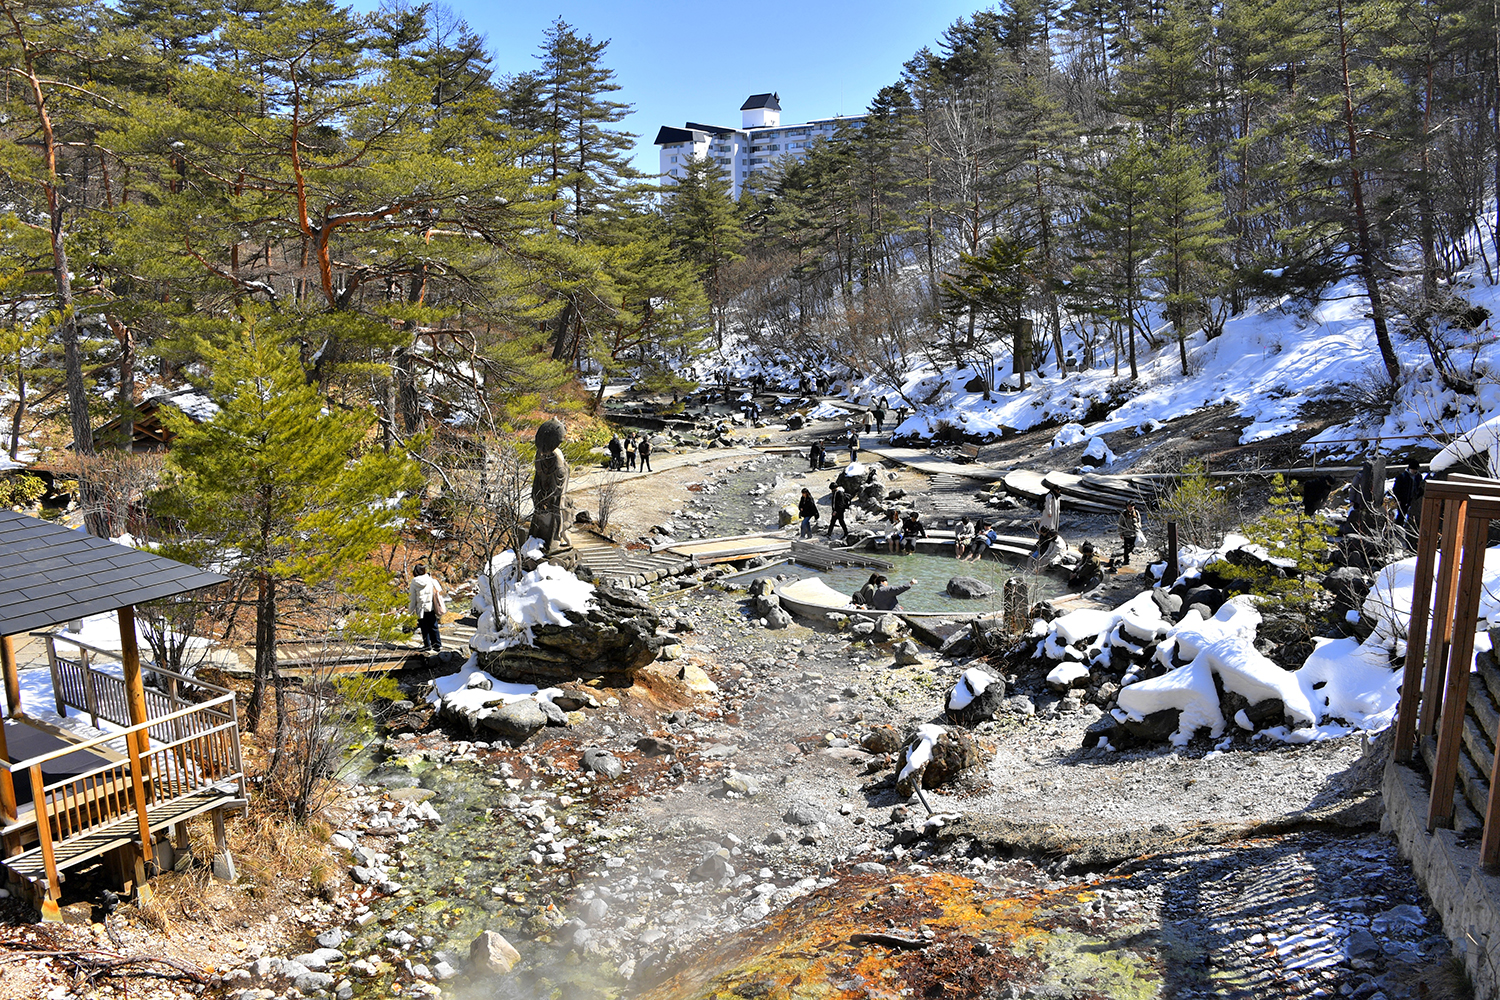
column 934, row 756
column 1097, row 453
column 546, row 624
column 977, row 697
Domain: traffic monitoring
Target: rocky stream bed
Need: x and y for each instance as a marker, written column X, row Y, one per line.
column 752, row 846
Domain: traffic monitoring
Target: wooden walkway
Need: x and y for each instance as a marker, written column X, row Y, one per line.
column 31, row 864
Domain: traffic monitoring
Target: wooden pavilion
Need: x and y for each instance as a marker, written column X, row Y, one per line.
column 66, row 800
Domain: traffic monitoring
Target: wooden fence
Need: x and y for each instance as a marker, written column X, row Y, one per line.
column 78, row 684
column 1443, row 715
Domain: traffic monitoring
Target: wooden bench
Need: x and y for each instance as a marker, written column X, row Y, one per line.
column 968, row 452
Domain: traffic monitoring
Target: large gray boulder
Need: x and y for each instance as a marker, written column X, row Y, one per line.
column 515, row 721
column 612, row 640
column 967, row 588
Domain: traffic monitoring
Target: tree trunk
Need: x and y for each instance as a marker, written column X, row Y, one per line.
column 20, row 415
column 1366, row 250
column 78, row 403
column 560, row 335
column 126, row 337
column 265, row 649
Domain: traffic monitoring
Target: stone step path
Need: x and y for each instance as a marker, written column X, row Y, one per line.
column 621, row 567
column 953, row 496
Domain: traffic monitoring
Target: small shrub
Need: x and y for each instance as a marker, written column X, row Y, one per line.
column 1287, row 534
column 1201, row 508
column 1371, row 391
column 22, row 490
column 947, row 432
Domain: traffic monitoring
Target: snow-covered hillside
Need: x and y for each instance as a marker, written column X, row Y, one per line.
column 1268, row 363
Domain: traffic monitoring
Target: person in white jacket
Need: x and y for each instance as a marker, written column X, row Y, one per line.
column 427, row 605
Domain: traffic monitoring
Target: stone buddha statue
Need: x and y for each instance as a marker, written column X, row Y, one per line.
column 549, row 487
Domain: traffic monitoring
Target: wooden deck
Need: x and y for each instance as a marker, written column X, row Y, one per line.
column 87, row 799
column 31, row 865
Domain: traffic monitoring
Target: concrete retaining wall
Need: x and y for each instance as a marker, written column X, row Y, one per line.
column 1448, row 869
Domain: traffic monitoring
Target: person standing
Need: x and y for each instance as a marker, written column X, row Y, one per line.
column 427, row 605
column 869, row 421
column 643, row 450
column 1130, row 528
column 840, row 507
column 616, row 453
column 807, row 509
column 1052, row 512
column 853, row 446
column 880, row 416
column 815, row 456
column 1408, row 490
column 630, row 452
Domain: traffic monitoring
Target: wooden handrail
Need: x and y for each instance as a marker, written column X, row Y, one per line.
column 122, row 733
column 115, row 655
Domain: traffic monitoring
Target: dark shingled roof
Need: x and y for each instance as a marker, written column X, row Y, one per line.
column 49, row 574
column 670, row 134
column 771, row 101
column 715, row 129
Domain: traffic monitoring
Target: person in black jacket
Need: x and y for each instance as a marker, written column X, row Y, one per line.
column 1408, row 490
column 840, row 506
column 912, row 528
column 643, row 451
column 807, row 509
column 866, row 594
column 888, row 598
column 616, row 453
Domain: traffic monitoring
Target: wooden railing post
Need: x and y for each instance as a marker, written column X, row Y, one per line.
column 90, row 692
column 1440, row 635
column 1416, row 632
column 1460, row 656
column 12, row 673
column 57, row 688
column 44, row 835
column 130, row 656
column 138, row 777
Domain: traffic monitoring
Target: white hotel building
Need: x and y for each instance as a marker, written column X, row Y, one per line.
column 742, row 153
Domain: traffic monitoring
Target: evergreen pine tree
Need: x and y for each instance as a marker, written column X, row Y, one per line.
column 288, row 492
column 1187, row 226
column 705, row 230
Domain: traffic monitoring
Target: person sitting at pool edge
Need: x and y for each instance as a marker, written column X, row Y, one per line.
column 912, row 528
column 892, row 525
column 984, row 542
column 963, row 538
column 1088, row 572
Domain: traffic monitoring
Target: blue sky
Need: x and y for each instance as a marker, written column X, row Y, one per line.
column 678, row 62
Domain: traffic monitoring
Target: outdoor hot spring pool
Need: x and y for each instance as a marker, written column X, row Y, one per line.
column 932, row 573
